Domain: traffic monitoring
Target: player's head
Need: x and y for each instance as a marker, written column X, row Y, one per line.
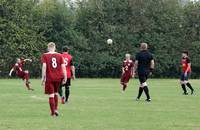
column 185, row 54
column 51, row 47
column 18, row 60
column 143, row 46
column 65, row 49
column 128, row 56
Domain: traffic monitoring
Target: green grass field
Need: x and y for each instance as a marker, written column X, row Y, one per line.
column 98, row 104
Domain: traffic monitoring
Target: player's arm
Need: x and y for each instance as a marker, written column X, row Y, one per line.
column 136, row 62
column 10, row 73
column 152, row 66
column 73, row 70
column 189, row 66
column 64, row 72
column 13, row 68
column 123, row 70
column 133, row 72
column 44, row 68
column 135, row 66
column 30, row 60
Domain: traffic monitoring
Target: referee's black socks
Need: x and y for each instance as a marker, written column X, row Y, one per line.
column 146, row 90
column 140, row 92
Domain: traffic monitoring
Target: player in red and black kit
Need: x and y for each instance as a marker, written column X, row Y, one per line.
column 186, row 71
column 127, row 71
column 53, row 71
column 68, row 60
column 24, row 75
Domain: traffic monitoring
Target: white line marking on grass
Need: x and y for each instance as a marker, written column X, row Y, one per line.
column 38, row 98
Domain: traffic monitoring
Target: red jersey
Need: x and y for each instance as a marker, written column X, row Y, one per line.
column 68, row 63
column 185, row 64
column 54, row 70
column 128, row 66
column 18, row 69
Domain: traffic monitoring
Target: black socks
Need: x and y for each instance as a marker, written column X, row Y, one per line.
column 189, row 86
column 67, row 92
column 140, row 92
column 184, row 88
column 146, row 90
column 124, row 87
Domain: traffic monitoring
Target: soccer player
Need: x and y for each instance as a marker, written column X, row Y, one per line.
column 186, row 71
column 24, row 75
column 53, row 71
column 70, row 74
column 127, row 71
column 144, row 64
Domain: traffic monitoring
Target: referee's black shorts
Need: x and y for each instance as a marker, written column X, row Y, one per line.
column 143, row 77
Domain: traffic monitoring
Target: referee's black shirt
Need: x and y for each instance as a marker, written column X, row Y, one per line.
column 144, row 58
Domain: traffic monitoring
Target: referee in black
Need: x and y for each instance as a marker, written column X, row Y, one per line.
column 144, row 65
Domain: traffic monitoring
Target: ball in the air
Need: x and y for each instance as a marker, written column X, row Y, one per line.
column 109, row 41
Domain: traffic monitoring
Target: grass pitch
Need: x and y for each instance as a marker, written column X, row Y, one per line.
column 98, row 104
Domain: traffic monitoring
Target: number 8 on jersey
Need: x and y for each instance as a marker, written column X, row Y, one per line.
column 54, row 63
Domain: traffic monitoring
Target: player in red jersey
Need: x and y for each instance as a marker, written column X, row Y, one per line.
column 53, row 71
column 70, row 74
column 24, row 75
column 127, row 71
column 186, row 71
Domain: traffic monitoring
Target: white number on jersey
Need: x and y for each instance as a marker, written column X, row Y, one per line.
column 54, row 62
column 66, row 61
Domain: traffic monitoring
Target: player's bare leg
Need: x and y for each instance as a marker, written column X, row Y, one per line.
column 183, row 85
column 27, row 83
column 60, row 91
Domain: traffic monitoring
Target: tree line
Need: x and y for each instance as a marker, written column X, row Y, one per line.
column 169, row 27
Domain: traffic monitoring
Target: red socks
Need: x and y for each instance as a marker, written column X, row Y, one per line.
column 56, row 101
column 52, row 105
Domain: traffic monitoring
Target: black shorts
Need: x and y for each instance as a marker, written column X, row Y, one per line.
column 68, row 83
column 143, row 77
column 184, row 77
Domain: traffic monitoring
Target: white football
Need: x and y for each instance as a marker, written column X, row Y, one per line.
column 109, row 41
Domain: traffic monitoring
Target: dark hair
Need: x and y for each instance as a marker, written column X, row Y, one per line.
column 185, row 52
column 133, row 59
column 65, row 49
column 21, row 58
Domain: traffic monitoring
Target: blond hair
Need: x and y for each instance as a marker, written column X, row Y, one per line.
column 143, row 46
column 128, row 55
column 51, row 46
